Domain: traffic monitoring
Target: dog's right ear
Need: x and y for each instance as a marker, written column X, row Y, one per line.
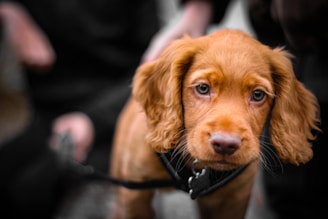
column 157, row 87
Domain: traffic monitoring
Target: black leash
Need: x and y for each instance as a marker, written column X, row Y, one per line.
column 196, row 183
column 91, row 173
column 65, row 148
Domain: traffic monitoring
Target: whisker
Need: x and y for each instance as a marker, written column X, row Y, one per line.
column 180, row 152
column 270, row 161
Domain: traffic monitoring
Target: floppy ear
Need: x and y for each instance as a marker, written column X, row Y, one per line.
column 295, row 115
column 157, row 87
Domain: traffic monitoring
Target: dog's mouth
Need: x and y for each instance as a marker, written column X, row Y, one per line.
column 220, row 165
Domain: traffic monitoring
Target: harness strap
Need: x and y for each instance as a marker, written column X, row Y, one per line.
column 197, row 183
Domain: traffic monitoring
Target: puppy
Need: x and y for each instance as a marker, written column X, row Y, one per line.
column 206, row 101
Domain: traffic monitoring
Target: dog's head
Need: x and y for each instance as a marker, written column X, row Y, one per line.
column 210, row 97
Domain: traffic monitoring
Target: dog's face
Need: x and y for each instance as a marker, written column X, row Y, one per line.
column 210, row 98
column 227, row 96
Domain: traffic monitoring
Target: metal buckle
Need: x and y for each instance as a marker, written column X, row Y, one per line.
column 198, row 182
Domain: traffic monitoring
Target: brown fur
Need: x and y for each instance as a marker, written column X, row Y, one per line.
column 166, row 112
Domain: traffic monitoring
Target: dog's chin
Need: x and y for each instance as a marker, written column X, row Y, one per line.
column 221, row 165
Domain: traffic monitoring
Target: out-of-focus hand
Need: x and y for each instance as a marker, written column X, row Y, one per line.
column 80, row 127
column 29, row 43
column 194, row 22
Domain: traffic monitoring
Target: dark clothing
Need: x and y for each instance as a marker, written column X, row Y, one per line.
column 98, row 46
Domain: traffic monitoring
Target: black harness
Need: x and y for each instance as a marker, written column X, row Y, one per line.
column 197, row 183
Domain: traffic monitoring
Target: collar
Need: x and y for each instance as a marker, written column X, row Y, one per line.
column 196, row 183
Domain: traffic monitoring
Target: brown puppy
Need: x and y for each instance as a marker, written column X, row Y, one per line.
column 209, row 99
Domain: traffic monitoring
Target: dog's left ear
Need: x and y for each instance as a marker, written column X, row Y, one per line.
column 296, row 113
column 157, row 87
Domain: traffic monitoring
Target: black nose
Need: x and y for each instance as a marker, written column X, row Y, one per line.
column 225, row 144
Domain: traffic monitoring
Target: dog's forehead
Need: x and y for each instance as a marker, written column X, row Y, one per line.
column 231, row 56
column 236, row 45
column 231, row 51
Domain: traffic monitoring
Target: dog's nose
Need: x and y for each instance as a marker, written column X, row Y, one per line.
column 225, row 144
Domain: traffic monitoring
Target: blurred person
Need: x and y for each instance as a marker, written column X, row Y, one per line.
column 78, row 59
column 299, row 26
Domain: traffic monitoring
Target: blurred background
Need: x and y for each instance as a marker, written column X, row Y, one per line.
column 94, row 200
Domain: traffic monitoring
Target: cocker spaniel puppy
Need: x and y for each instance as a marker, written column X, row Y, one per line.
column 206, row 101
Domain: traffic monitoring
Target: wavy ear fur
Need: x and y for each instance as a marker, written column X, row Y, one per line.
column 295, row 115
column 157, row 87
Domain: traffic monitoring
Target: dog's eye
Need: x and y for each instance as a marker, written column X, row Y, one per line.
column 258, row 95
column 203, row 89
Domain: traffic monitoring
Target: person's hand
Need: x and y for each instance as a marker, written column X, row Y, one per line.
column 80, row 127
column 194, row 22
column 29, row 43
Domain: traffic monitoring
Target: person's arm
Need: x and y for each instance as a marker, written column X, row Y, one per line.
column 194, row 22
column 29, row 43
